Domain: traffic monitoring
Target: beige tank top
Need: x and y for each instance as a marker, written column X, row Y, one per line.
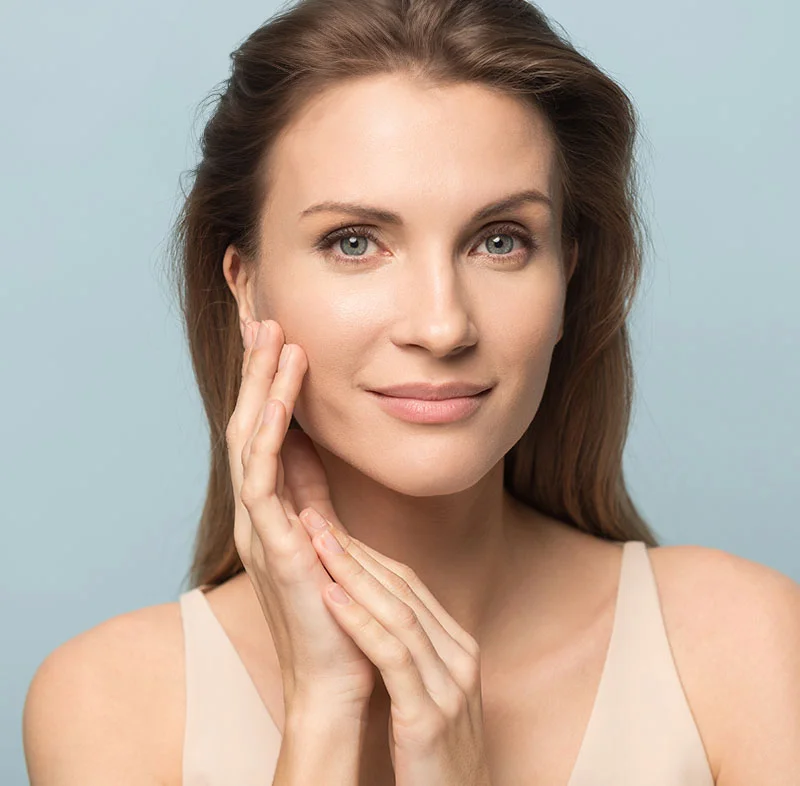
column 641, row 731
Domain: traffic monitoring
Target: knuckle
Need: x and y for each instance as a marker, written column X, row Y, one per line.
column 260, row 444
column 398, row 586
column 473, row 669
column 405, row 618
column 468, row 669
column 232, row 432
column 252, row 491
column 433, row 728
column 396, row 654
column 354, row 569
column 407, row 574
column 471, row 647
column 401, row 657
column 454, row 705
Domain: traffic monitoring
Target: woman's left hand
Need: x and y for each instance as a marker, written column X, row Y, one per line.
column 429, row 664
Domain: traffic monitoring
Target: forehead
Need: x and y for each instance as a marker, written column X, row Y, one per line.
column 412, row 146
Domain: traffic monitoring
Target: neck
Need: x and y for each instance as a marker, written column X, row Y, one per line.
column 460, row 545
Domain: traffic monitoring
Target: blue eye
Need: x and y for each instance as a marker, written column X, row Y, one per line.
column 354, row 233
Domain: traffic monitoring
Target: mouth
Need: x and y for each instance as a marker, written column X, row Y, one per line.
column 416, row 410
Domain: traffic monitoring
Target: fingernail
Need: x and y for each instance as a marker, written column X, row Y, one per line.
column 338, row 595
column 270, row 408
column 285, row 353
column 315, row 520
column 331, row 544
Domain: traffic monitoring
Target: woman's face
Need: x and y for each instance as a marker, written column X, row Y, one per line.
column 438, row 295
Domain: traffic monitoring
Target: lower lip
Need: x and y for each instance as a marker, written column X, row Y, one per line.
column 416, row 410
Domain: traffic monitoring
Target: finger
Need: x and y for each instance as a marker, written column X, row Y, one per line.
column 390, row 572
column 234, row 440
column 402, row 677
column 371, row 557
column 279, row 541
column 279, row 381
column 418, row 693
column 446, row 645
column 249, row 337
column 286, row 378
column 259, row 482
column 393, row 614
column 259, row 366
column 292, row 366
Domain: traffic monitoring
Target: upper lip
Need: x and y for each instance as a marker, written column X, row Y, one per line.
column 429, row 392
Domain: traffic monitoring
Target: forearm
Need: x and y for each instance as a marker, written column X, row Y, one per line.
column 320, row 746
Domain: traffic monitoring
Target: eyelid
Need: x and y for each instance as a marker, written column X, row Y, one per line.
column 514, row 229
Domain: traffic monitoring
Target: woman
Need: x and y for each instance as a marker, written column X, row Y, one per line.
column 406, row 265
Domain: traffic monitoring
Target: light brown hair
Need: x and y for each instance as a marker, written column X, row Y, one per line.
column 568, row 463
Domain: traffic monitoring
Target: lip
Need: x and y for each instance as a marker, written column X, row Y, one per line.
column 425, row 391
column 417, row 410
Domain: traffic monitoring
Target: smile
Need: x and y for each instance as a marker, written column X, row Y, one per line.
column 415, row 410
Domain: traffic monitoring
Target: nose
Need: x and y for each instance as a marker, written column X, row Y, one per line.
column 435, row 308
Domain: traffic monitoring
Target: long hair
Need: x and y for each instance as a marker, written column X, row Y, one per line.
column 568, row 463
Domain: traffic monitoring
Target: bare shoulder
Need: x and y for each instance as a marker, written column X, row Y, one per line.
column 734, row 629
column 107, row 705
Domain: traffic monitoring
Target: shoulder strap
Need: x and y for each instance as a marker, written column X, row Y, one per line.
column 641, row 729
column 229, row 735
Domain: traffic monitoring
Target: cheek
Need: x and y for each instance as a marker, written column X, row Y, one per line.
column 310, row 314
column 335, row 343
column 532, row 321
column 530, row 326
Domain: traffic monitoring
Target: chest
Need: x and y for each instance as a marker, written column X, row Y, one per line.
column 538, row 705
column 535, row 718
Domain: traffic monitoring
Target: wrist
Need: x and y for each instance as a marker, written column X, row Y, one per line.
column 321, row 743
column 320, row 709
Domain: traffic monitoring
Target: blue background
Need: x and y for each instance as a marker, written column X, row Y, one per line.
column 104, row 459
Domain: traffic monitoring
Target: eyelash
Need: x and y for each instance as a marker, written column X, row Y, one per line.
column 326, row 243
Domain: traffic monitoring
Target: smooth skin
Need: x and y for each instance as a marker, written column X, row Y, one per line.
column 429, row 664
column 287, row 576
column 421, row 302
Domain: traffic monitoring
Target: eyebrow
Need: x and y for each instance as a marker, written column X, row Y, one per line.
column 368, row 212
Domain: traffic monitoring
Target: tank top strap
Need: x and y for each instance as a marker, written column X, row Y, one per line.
column 639, row 624
column 641, row 723
column 229, row 736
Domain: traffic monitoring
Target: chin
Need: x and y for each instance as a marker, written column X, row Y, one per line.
column 425, row 483
column 419, row 466
column 411, row 459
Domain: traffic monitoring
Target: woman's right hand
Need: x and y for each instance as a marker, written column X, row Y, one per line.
column 319, row 661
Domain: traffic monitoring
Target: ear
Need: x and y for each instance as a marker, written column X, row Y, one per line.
column 240, row 278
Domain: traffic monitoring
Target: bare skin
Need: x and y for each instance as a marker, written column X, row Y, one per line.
column 731, row 625
column 538, row 688
column 421, row 304
column 537, row 595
